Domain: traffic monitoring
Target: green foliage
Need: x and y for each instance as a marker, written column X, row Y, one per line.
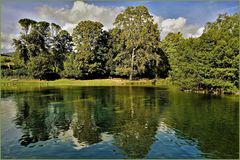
column 14, row 73
column 209, row 62
column 138, row 40
column 221, row 40
column 61, row 44
column 6, row 62
column 70, row 68
column 12, row 67
column 39, row 66
column 38, row 41
column 26, row 24
column 18, row 61
column 6, row 72
column 91, row 53
column 184, row 65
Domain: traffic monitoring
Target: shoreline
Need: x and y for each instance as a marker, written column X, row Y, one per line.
column 118, row 82
column 92, row 82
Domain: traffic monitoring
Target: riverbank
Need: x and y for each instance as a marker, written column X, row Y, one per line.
column 8, row 84
column 94, row 82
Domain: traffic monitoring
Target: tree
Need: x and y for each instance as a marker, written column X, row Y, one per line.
column 210, row 62
column 185, row 65
column 42, row 39
column 55, row 29
column 21, row 44
column 220, row 46
column 158, row 67
column 27, row 25
column 89, row 40
column 115, row 46
column 139, row 38
column 34, row 42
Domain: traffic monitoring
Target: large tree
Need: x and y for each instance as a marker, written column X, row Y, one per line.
column 91, row 52
column 139, row 38
column 43, row 41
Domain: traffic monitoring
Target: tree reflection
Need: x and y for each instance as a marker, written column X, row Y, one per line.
column 84, row 125
column 137, row 124
column 131, row 115
column 38, row 119
column 44, row 114
column 212, row 121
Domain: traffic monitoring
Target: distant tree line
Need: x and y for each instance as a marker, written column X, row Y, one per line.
column 132, row 49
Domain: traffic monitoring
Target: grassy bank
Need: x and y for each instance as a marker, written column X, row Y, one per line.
column 96, row 82
column 24, row 84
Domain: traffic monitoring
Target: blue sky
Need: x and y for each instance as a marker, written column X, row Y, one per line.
column 195, row 11
column 188, row 17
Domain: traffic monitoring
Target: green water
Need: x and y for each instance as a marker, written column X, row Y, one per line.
column 117, row 122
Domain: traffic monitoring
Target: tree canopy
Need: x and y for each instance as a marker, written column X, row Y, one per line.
column 90, row 58
column 139, row 37
column 45, row 42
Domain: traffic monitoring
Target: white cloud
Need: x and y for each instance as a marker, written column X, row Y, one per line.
column 177, row 25
column 199, row 32
column 6, row 41
column 173, row 24
column 157, row 19
column 69, row 27
column 79, row 12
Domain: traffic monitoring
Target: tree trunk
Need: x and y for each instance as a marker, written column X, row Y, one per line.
column 132, row 59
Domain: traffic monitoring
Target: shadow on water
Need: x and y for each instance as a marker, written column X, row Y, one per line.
column 136, row 122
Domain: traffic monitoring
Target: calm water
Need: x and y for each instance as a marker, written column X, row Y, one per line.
column 117, row 122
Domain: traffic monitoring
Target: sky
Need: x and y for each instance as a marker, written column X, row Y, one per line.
column 188, row 17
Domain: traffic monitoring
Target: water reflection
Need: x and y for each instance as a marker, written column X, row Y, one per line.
column 138, row 122
column 169, row 143
column 214, row 122
column 39, row 119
